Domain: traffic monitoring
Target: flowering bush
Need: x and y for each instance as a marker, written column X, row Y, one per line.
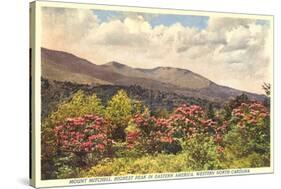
column 82, row 135
column 187, row 120
column 250, row 132
column 158, row 134
column 150, row 133
column 154, row 134
column 250, row 114
column 79, row 104
column 87, row 134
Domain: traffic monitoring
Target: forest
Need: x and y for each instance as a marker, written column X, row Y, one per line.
column 83, row 136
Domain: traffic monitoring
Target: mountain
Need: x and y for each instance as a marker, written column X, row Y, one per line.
column 63, row 66
column 175, row 76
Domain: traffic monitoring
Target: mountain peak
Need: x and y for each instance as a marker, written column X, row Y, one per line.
column 115, row 64
column 171, row 69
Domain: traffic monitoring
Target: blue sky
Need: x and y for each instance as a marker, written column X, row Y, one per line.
column 105, row 16
column 199, row 22
column 262, row 22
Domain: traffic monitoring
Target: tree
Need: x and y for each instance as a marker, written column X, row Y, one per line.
column 266, row 87
column 137, row 107
column 119, row 113
column 161, row 112
column 78, row 105
column 234, row 103
column 250, row 134
column 210, row 111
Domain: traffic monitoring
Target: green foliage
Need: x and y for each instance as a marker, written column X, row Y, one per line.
column 119, row 112
column 65, row 167
column 82, row 138
column 161, row 112
column 137, row 107
column 158, row 135
column 132, row 127
column 253, row 160
column 210, row 111
column 86, row 137
column 202, row 153
column 78, row 105
column 142, row 165
column 267, row 89
column 249, row 135
column 121, row 150
column 234, row 103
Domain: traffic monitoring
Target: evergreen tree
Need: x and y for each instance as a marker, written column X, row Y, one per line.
column 119, row 112
column 234, row 103
column 210, row 111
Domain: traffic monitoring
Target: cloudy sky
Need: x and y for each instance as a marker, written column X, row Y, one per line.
column 229, row 51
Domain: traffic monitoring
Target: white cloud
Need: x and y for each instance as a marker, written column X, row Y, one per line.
column 229, row 51
column 62, row 27
column 227, row 24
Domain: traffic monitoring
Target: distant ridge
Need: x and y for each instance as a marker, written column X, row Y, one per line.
column 63, row 66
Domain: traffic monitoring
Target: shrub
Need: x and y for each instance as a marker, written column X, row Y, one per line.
column 80, row 133
column 202, row 152
column 166, row 134
column 119, row 112
column 187, row 120
column 154, row 135
column 65, row 167
column 143, row 165
column 234, row 103
column 250, row 133
column 78, row 105
column 253, row 160
column 122, row 150
column 84, row 135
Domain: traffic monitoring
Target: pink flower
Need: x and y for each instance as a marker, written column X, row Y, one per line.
column 92, row 137
column 65, row 142
column 100, row 146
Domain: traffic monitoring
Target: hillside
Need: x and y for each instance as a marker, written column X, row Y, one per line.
column 63, row 66
column 54, row 92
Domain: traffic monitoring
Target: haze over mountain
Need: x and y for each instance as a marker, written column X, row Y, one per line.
column 63, row 66
column 175, row 76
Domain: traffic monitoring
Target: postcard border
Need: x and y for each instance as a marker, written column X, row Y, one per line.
column 36, row 111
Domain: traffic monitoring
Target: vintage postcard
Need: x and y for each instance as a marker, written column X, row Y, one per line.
column 125, row 94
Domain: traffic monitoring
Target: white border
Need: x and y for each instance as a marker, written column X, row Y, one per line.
column 37, row 126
